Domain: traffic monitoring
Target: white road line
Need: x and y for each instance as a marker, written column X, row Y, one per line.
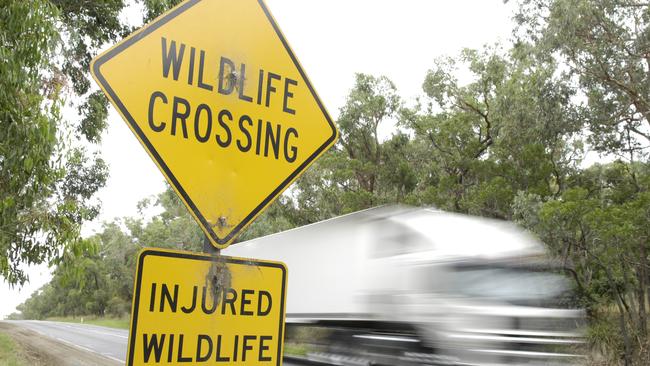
column 76, row 345
column 114, row 358
column 89, row 329
column 106, row 333
column 89, row 350
column 41, row 333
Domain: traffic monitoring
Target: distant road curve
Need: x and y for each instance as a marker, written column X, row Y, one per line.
column 107, row 342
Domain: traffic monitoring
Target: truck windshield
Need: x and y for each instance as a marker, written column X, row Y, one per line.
column 510, row 284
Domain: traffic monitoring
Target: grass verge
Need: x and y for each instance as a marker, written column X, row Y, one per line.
column 10, row 353
column 120, row 323
column 295, row 349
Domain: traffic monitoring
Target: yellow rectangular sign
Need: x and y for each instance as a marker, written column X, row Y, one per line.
column 191, row 308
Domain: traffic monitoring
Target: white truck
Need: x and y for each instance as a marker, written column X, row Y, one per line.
column 406, row 286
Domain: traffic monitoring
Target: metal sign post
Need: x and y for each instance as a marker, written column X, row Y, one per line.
column 219, row 101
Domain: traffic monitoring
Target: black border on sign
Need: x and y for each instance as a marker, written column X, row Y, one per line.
column 167, row 172
column 202, row 257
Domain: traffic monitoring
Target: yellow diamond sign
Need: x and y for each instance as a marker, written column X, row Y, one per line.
column 217, row 98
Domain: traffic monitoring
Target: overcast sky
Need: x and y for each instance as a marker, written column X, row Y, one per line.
column 333, row 39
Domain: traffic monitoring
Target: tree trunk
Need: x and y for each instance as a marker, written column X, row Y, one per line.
column 622, row 308
column 626, row 338
column 641, row 291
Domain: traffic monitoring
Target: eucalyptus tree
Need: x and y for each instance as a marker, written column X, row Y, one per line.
column 606, row 45
column 599, row 225
column 365, row 168
column 47, row 173
column 508, row 129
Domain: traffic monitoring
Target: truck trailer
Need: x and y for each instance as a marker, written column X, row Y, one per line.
column 415, row 286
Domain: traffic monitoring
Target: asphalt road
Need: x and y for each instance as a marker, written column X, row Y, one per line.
column 108, row 342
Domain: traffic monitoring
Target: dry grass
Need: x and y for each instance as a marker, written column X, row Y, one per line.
column 10, row 354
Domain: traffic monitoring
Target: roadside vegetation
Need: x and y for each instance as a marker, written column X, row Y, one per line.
column 10, row 353
column 119, row 323
column 511, row 143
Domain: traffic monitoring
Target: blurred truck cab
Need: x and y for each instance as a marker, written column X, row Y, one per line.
column 410, row 286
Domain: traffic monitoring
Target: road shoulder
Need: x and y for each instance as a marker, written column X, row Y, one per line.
column 41, row 350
